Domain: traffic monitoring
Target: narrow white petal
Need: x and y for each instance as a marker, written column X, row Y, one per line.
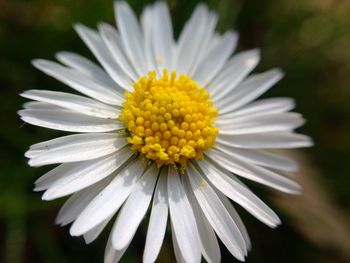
column 83, row 174
column 112, row 255
column 91, row 235
column 73, row 102
column 46, row 145
column 249, row 90
column 213, row 41
column 191, row 39
column 86, row 67
column 73, row 148
column 182, row 219
column 66, row 120
column 162, row 36
column 209, row 242
column 261, row 107
column 37, row 105
column 113, row 41
column 235, row 217
column 240, row 120
column 235, row 70
column 131, row 35
column 93, row 40
column 267, row 140
column 158, row 220
column 206, row 35
column 177, row 252
column 254, row 172
column 49, row 178
column 261, row 124
column 78, row 201
column 216, row 214
column 79, row 82
column 32, row 153
column 134, row 209
column 147, row 29
column 260, row 157
column 239, row 193
column 216, row 59
column 109, row 200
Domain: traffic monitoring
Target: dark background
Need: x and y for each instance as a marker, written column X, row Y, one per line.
column 309, row 40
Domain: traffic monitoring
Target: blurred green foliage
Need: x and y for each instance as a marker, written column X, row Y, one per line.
column 309, row 40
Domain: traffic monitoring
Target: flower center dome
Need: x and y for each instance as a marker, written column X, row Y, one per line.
column 169, row 119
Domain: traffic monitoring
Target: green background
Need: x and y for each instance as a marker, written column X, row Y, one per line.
column 309, row 40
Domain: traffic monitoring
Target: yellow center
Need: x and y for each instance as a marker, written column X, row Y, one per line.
column 169, row 119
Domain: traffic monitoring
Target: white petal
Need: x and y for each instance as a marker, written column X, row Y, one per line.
column 213, row 41
column 266, row 140
column 204, row 47
column 79, row 82
column 65, row 120
column 182, row 219
column 261, row 124
column 236, row 120
column 260, row 157
column 134, row 209
column 113, row 41
column 109, row 200
column 215, row 60
column 235, row 70
column 37, row 105
column 158, row 220
column 216, row 214
column 235, row 217
column 78, row 201
column 162, row 36
column 96, row 231
column 86, row 67
column 93, row 40
column 73, row 148
column 73, row 102
column 131, row 35
column 49, row 178
column 239, row 193
column 32, row 153
column 191, row 39
column 177, row 252
column 254, row 172
column 112, row 255
column 148, row 28
column 209, row 242
column 261, row 107
column 83, row 174
column 249, row 90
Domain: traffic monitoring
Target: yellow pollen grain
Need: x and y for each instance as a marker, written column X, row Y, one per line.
column 169, row 119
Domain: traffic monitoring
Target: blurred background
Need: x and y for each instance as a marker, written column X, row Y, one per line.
column 309, row 40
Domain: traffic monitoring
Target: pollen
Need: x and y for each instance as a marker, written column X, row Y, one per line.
column 169, row 119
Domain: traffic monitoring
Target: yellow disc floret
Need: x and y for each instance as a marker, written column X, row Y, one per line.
column 169, row 119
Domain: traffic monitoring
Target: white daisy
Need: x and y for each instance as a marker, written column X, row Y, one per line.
column 166, row 125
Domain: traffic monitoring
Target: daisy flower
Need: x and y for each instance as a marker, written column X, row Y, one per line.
column 166, row 126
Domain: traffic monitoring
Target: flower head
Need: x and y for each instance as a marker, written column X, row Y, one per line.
column 170, row 119
column 164, row 124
